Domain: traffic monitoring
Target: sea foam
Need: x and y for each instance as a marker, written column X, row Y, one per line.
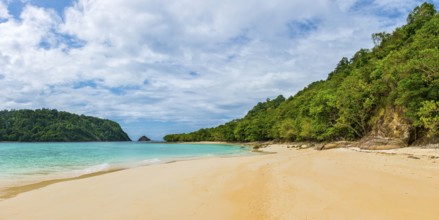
column 93, row 169
column 150, row 161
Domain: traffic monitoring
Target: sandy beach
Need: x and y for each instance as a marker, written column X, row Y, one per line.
column 289, row 184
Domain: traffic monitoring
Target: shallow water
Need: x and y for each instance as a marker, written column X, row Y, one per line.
column 23, row 163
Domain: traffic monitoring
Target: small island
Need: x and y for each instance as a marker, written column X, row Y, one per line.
column 143, row 139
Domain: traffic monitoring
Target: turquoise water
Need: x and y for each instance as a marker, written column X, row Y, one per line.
column 22, row 163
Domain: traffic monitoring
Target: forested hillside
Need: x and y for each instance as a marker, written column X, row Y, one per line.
column 53, row 125
column 390, row 91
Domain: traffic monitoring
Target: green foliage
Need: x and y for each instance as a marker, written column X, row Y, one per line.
column 429, row 117
column 402, row 70
column 421, row 14
column 379, row 38
column 51, row 125
column 355, row 104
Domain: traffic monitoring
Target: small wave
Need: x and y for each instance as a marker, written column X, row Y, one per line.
column 150, row 161
column 93, row 169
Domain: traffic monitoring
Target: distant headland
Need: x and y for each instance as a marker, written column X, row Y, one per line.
column 50, row 125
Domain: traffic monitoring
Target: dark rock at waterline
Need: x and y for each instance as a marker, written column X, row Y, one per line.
column 144, row 138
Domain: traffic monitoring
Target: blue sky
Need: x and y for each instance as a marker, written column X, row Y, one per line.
column 167, row 66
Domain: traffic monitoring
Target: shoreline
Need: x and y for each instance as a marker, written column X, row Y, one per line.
column 317, row 145
column 7, row 192
column 286, row 183
column 256, row 147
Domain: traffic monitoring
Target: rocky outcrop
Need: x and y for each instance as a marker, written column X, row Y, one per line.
column 427, row 141
column 380, row 143
column 390, row 130
column 337, row 144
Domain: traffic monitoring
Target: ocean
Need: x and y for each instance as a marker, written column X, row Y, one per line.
column 26, row 163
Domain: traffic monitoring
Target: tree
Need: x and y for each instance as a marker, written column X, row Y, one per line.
column 355, row 105
column 380, row 37
column 429, row 117
column 421, row 13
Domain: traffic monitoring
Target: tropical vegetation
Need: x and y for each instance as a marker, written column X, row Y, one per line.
column 44, row 125
column 399, row 74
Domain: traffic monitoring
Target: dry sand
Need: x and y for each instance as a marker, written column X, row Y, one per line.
column 292, row 184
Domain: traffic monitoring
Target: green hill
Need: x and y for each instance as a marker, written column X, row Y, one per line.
column 389, row 92
column 52, row 125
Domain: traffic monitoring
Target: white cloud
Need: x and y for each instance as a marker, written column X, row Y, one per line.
column 4, row 14
column 202, row 62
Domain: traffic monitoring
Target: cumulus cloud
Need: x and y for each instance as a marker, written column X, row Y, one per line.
column 197, row 63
